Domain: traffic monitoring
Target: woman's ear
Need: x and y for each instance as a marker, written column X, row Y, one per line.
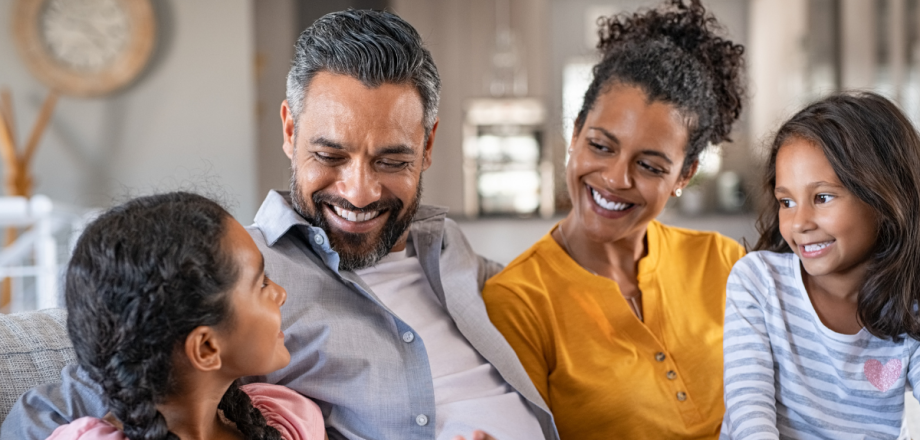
column 202, row 348
column 685, row 178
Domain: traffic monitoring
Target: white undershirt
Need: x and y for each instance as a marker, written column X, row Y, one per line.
column 469, row 393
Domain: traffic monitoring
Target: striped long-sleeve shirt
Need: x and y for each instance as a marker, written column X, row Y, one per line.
column 789, row 376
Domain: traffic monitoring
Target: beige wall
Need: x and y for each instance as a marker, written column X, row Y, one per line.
column 187, row 122
column 460, row 35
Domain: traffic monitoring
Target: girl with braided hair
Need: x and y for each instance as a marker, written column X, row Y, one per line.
column 168, row 306
column 616, row 317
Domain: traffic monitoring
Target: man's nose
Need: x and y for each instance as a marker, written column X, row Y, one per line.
column 359, row 184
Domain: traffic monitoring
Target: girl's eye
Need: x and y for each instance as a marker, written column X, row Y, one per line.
column 265, row 281
column 823, row 198
column 786, row 203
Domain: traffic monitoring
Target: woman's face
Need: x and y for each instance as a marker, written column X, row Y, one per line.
column 254, row 340
column 625, row 163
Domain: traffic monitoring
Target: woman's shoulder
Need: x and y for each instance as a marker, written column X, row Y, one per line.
column 683, row 241
column 537, row 259
column 87, row 428
column 293, row 415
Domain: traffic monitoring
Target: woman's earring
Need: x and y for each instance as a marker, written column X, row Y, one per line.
column 678, row 192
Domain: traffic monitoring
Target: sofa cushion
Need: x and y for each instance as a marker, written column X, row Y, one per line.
column 34, row 347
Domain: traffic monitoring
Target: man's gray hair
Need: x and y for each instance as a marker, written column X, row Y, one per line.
column 375, row 47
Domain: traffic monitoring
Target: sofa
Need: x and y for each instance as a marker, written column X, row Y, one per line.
column 34, row 347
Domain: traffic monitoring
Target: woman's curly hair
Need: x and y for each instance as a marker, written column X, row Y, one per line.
column 673, row 53
column 142, row 276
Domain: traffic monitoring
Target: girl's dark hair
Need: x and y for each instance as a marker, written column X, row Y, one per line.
column 143, row 275
column 673, row 54
column 875, row 151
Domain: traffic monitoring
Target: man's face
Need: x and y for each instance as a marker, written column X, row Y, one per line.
column 357, row 159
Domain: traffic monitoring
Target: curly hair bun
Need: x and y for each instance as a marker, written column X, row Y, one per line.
column 675, row 54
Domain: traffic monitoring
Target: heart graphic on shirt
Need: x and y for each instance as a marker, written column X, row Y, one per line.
column 882, row 376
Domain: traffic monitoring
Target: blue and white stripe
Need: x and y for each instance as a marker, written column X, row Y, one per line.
column 789, row 376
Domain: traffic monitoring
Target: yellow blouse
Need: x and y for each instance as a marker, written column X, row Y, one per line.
column 604, row 373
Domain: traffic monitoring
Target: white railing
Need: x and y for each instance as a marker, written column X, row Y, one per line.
column 34, row 262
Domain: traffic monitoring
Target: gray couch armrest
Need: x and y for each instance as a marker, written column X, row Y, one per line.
column 34, row 347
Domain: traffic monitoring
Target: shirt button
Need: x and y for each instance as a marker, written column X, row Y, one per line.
column 421, row 420
column 318, row 239
column 409, row 337
column 659, row 356
column 672, row 375
column 681, row 396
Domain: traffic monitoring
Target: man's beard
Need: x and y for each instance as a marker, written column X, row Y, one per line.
column 357, row 250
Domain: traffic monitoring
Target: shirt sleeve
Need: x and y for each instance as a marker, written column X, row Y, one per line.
column 516, row 321
column 750, row 402
column 87, row 428
column 42, row 409
column 293, row 415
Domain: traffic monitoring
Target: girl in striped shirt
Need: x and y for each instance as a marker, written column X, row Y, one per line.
column 821, row 321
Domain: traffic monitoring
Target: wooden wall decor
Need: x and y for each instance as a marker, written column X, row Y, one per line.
column 85, row 48
column 17, row 179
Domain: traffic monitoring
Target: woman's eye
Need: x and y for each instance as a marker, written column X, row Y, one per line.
column 823, row 198
column 265, row 281
column 651, row 168
column 598, row 147
column 786, row 203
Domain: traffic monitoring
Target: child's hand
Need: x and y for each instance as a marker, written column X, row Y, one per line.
column 477, row 435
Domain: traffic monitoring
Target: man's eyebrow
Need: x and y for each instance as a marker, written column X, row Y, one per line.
column 396, row 149
column 328, row 143
column 615, row 140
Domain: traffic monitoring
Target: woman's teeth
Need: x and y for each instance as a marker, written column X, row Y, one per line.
column 610, row 206
column 355, row 216
column 817, row 246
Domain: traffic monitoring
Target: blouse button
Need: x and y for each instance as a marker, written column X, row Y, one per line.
column 672, row 375
column 681, row 396
column 659, row 357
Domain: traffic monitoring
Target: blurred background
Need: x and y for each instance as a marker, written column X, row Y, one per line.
column 157, row 95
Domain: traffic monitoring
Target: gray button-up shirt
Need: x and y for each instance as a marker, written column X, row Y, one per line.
column 349, row 353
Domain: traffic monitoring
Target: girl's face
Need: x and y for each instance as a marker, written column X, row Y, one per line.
column 254, row 343
column 625, row 163
column 831, row 230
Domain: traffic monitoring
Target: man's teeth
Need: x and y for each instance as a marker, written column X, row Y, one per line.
column 355, row 216
column 817, row 246
column 610, row 206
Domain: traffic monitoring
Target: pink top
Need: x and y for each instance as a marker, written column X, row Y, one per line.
column 293, row 415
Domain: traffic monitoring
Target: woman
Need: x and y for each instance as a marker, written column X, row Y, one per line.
column 617, row 318
column 168, row 305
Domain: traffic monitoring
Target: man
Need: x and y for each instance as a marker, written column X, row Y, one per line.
column 384, row 320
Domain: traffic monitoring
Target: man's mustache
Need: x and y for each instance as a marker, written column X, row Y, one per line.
column 393, row 204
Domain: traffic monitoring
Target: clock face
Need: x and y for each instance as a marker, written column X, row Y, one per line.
column 84, row 34
column 84, row 47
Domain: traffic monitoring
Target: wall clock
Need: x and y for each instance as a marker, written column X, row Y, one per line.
column 85, row 47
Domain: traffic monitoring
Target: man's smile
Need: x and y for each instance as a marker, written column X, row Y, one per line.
column 353, row 216
column 352, row 221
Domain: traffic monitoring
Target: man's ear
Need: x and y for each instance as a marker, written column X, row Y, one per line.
column 203, row 349
column 426, row 155
column 287, row 126
column 685, row 179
